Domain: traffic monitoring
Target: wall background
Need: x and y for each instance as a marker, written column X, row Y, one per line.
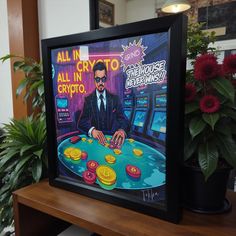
column 6, row 106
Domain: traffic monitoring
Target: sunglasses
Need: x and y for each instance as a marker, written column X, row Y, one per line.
column 98, row 79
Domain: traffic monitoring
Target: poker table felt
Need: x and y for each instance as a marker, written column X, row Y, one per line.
column 151, row 163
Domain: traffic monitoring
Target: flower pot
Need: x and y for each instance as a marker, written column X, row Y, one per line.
column 205, row 196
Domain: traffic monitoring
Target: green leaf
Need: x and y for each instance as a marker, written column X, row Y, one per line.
column 190, row 148
column 211, row 119
column 25, row 148
column 8, row 56
column 37, row 169
column 21, row 86
column 196, row 126
column 229, row 113
column 224, row 87
column 208, row 158
column 38, row 153
column 191, row 107
column 17, row 65
column 227, row 147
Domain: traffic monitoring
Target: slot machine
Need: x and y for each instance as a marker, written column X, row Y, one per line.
column 140, row 114
column 128, row 106
column 62, row 110
column 157, row 125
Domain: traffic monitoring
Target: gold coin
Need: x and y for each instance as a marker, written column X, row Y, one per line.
column 83, row 139
column 90, row 140
column 67, row 151
column 106, row 144
column 131, row 140
column 108, row 138
column 137, row 152
column 117, row 151
column 106, row 175
column 110, row 159
column 76, row 154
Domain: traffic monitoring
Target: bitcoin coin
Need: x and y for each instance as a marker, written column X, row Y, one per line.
column 67, row 151
column 137, row 152
column 90, row 141
column 117, row 151
column 75, row 154
column 110, row 159
column 106, row 175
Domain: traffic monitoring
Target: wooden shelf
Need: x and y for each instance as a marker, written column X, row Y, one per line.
column 41, row 209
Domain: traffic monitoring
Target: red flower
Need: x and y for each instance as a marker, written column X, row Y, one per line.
column 209, row 104
column 190, row 92
column 206, row 67
column 229, row 64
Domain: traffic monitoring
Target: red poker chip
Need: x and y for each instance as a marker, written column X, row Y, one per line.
column 133, row 171
column 75, row 139
column 92, row 165
column 84, row 155
column 89, row 177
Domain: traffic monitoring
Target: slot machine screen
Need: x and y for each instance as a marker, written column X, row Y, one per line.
column 128, row 103
column 160, row 100
column 142, row 101
column 128, row 114
column 159, row 122
column 62, row 103
column 139, row 118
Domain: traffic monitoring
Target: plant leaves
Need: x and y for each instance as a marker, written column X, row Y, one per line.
column 227, row 147
column 224, row 87
column 37, row 169
column 208, row 158
column 229, row 113
column 190, row 148
column 190, row 107
column 211, row 119
column 196, row 126
column 21, row 86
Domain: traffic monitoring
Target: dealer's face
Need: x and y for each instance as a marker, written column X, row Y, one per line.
column 100, row 79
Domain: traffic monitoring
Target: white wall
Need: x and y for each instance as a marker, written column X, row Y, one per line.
column 6, row 105
column 140, row 10
column 62, row 17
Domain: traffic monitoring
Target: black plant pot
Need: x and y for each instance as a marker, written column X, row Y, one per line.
column 205, row 197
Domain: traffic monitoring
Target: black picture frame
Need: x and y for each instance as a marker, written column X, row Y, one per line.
column 175, row 27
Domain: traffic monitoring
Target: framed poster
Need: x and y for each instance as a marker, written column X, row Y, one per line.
column 106, row 12
column 115, row 111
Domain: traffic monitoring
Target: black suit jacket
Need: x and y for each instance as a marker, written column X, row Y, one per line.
column 114, row 114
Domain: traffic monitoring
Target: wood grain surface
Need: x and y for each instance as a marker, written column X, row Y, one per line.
column 107, row 219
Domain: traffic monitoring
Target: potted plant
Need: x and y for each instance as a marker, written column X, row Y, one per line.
column 210, row 124
column 23, row 158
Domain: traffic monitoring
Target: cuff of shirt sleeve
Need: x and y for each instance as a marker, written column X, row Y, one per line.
column 90, row 131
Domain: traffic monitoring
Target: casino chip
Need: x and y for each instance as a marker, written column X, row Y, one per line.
column 106, row 175
column 110, row 159
column 67, row 152
column 137, row 152
column 83, row 139
column 117, row 151
column 84, row 155
column 92, row 165
column 89, row 177
column 75, row 154
column 90, row 141
column 133, row 171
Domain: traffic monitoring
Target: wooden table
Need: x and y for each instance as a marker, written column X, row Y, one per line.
column 44, row 210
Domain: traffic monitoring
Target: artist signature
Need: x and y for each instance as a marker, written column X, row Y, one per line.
column 150, row 196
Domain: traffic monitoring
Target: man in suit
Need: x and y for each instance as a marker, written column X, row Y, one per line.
column 102, row 112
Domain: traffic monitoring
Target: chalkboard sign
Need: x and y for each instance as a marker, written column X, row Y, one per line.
column 222, row 15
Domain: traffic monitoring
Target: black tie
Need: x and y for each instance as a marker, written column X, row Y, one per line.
column 102, row 107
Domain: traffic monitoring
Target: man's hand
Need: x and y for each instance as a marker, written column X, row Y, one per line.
column 97, row 134
column 118, row 137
